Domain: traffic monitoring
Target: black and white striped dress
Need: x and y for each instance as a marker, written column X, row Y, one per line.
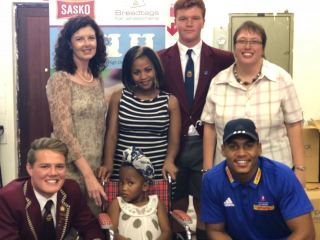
column 144, row 124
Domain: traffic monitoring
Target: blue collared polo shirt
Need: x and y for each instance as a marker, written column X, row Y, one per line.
column 257, row 210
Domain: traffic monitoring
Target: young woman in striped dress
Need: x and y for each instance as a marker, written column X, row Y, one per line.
column 142, row 115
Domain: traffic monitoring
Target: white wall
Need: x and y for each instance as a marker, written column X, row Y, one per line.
column 305, row 60
column 8, row 145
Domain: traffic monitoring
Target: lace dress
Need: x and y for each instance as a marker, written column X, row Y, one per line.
column 139, row 223
column 78, row 116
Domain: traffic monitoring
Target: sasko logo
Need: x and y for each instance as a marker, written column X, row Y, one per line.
column 70, row 8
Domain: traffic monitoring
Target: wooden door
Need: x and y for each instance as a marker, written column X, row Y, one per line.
column 32, row 24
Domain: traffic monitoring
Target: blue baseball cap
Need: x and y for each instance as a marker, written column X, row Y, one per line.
column 240, row 126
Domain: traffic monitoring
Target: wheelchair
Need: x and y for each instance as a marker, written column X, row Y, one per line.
column 160, row 187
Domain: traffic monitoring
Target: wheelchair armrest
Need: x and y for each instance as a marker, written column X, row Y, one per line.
column 182, row 217
column 105, row 221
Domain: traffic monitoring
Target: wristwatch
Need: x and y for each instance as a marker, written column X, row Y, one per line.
column 300, row 168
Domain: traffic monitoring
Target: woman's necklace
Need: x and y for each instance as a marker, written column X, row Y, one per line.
column 85, row 79
column 235, row 73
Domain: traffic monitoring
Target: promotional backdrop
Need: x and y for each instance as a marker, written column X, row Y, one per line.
column 125, row 23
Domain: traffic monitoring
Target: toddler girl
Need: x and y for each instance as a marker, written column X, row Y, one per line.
column 134, row 214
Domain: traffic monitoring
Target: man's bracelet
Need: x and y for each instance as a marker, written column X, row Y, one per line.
column 203, row 170
column 300, row 168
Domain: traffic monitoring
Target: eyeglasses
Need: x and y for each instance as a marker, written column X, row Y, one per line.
column 243, row 42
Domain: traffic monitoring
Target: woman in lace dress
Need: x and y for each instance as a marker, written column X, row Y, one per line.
column 77, row 104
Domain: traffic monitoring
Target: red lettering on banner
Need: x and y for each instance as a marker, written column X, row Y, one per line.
column 70, row 8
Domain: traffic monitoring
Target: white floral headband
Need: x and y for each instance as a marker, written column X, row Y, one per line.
column 134, row 157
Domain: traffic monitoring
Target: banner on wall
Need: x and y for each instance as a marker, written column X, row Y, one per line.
column 125, row 23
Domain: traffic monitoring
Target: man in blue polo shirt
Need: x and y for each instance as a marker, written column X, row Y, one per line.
column 248, row 196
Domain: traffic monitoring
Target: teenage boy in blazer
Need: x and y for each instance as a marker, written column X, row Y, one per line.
column 208, row 61
column 22, row 200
